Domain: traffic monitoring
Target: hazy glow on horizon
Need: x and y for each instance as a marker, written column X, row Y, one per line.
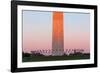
column 37, row 31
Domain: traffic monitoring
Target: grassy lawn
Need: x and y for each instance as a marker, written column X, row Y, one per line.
column 54, row 58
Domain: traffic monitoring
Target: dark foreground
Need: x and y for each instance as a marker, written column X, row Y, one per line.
column 55, row 58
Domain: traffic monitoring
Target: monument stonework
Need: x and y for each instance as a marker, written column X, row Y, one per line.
column 57, row 34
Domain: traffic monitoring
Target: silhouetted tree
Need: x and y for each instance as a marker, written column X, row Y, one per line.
column 26, row 54
column 34, row 53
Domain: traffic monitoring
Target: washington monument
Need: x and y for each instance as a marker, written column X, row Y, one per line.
column 57, row 34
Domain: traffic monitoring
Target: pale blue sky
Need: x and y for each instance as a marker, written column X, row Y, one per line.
column 77, row 21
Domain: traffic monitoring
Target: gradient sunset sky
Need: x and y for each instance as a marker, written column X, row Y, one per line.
column 37, row 30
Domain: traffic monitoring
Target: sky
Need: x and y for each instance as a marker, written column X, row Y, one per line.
column 37, row 30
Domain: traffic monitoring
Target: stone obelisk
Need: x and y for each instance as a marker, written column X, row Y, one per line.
column 57, row 34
